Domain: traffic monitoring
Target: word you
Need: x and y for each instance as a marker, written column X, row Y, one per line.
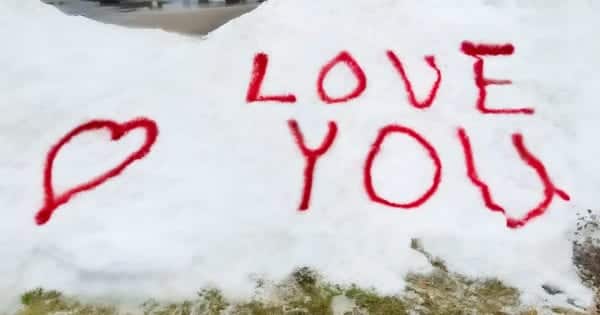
column 53, row 200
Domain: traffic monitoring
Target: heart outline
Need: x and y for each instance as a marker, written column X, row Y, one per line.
column 117, row 131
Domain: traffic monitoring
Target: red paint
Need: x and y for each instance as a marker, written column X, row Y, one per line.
column 478, row 50
column 52, row 201
column 261, row 60
column 472, row 49
column 408, row 85
column 311, row 156
column 550, row 190
column 346, row 58
column 376, row 147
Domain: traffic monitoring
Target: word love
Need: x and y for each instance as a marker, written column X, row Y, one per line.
column 261, row 61
column 311, row 156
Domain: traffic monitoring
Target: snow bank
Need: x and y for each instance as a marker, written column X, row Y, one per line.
column 215, row 201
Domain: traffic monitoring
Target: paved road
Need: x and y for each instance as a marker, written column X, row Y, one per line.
column 192, row 21
column 184, row 16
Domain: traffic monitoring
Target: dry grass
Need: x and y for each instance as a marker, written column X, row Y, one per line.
column 586, row 252
column 306, row 292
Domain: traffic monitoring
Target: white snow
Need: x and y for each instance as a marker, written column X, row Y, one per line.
column 215, row 201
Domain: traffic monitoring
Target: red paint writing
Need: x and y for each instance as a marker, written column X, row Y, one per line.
column 259, row 70
column 478, row 50
column 412, row 99
column 473, row 49
column 376, row 147
column 311, row 156
column 550, row 190
column 361, row 84
column 52, row 201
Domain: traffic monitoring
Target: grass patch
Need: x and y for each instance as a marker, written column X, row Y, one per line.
column 41, row 302
column 444, row 293
column 305, row 292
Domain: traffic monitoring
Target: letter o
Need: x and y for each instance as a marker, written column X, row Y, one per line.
column 368, row 180
column 361, row 84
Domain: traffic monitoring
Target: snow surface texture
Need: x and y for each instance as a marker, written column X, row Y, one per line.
column 215, row 201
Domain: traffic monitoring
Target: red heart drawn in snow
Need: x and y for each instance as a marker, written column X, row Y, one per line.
column 117, row 131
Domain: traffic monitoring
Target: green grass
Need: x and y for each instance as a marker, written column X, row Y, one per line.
column 305, row 292
column 41, row 302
